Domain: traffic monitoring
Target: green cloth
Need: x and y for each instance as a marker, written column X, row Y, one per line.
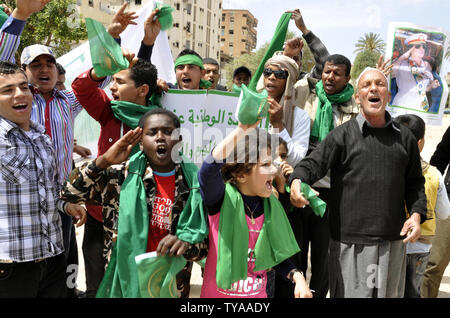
column 106, row 54
column 252, row 106
column 192, row 59
column 235, row 89
column 323, row 123
column 165, row 15
column 276, row 44
column 3, row 16
column 276, row 241
column 157, row 275
column 317, row 205
column 129, row 114
column 121, row 276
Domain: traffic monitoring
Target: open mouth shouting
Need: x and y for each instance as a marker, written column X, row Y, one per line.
column 20, row 107
column 162, row 152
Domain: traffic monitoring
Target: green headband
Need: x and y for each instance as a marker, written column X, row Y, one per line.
column 189, row 59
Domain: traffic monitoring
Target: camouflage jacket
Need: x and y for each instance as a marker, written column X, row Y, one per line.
column 92, row 185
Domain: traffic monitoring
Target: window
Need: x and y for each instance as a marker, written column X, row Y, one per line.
column 91, row 3
column 177, row 6
column 138, row 2
column 230, row 31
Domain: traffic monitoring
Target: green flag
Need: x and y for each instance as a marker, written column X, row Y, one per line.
column 275, row 45
column 157, row 275
column 106, row 54
column 252, row 106
column 164, row 15
column 317, row 205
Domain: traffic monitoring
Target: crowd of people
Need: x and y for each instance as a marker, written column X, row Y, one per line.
column 250, row 209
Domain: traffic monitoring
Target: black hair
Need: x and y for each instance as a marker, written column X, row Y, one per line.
column 10, row 68
column 340, row 59
column 160, row 111
column 60, row 68
column 242, row 69
column 144, row 72
column 414, row 123
column 188, row 52
column 209, row 60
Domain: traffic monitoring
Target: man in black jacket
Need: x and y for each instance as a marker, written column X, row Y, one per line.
column 375, row 168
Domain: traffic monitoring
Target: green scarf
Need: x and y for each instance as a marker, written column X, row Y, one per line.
column 121, row 276
column 323, row 123
column 192, row 59
column 275, row 243
column 276, row 44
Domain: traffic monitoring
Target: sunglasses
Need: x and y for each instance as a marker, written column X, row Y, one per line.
column 281, row 74
column 417, row 46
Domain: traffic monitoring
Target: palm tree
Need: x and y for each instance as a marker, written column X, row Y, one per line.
column 370, row 42
column 447, row 54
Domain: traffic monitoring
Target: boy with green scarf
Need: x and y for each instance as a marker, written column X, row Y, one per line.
column 155, row 200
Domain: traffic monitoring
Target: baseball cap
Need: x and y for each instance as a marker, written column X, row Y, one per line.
column 33, row 51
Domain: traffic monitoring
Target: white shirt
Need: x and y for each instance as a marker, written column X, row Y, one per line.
column 299, row 141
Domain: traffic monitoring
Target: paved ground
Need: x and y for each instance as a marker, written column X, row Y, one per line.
column 432, row 138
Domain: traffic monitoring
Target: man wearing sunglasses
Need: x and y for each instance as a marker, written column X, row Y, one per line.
column 413, row 74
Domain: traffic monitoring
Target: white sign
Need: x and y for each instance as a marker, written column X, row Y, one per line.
column 206, row 116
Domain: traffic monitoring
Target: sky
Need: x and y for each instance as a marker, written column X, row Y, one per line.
column 340, row 23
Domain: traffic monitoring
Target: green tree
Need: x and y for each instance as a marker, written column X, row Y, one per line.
column 370, row 42
column 58, row 25
column 362, row 60
column 252, row 60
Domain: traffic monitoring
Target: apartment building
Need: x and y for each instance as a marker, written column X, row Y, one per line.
column 196, row 23
column 238, row 33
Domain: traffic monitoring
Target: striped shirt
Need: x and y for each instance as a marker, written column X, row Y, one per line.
column 61, row 108
column 30, row 225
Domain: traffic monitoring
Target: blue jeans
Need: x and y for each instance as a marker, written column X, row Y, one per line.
column 415, row 268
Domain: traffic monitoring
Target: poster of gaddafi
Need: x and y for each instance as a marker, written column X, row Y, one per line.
column 418, row 80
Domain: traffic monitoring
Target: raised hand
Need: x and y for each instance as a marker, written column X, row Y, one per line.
column 130, row 56
column 275, row 114
column 25, row 8
column 120, row 150
column 152, row 27
column 298, row 18
column 384, row 67
column 293, row 47
column 120, row 21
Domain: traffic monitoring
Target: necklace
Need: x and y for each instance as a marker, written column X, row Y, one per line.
column 251, row 211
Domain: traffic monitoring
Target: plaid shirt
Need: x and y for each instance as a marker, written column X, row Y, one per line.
column 62, row 107
column 30, row 225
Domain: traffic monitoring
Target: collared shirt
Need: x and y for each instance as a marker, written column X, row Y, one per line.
column 362, row 122
column 61, row 109
column 30, row 225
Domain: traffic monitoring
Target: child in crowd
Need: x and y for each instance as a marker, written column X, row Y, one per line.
column 155, row 199
column 437, row 206
column 249, row 231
